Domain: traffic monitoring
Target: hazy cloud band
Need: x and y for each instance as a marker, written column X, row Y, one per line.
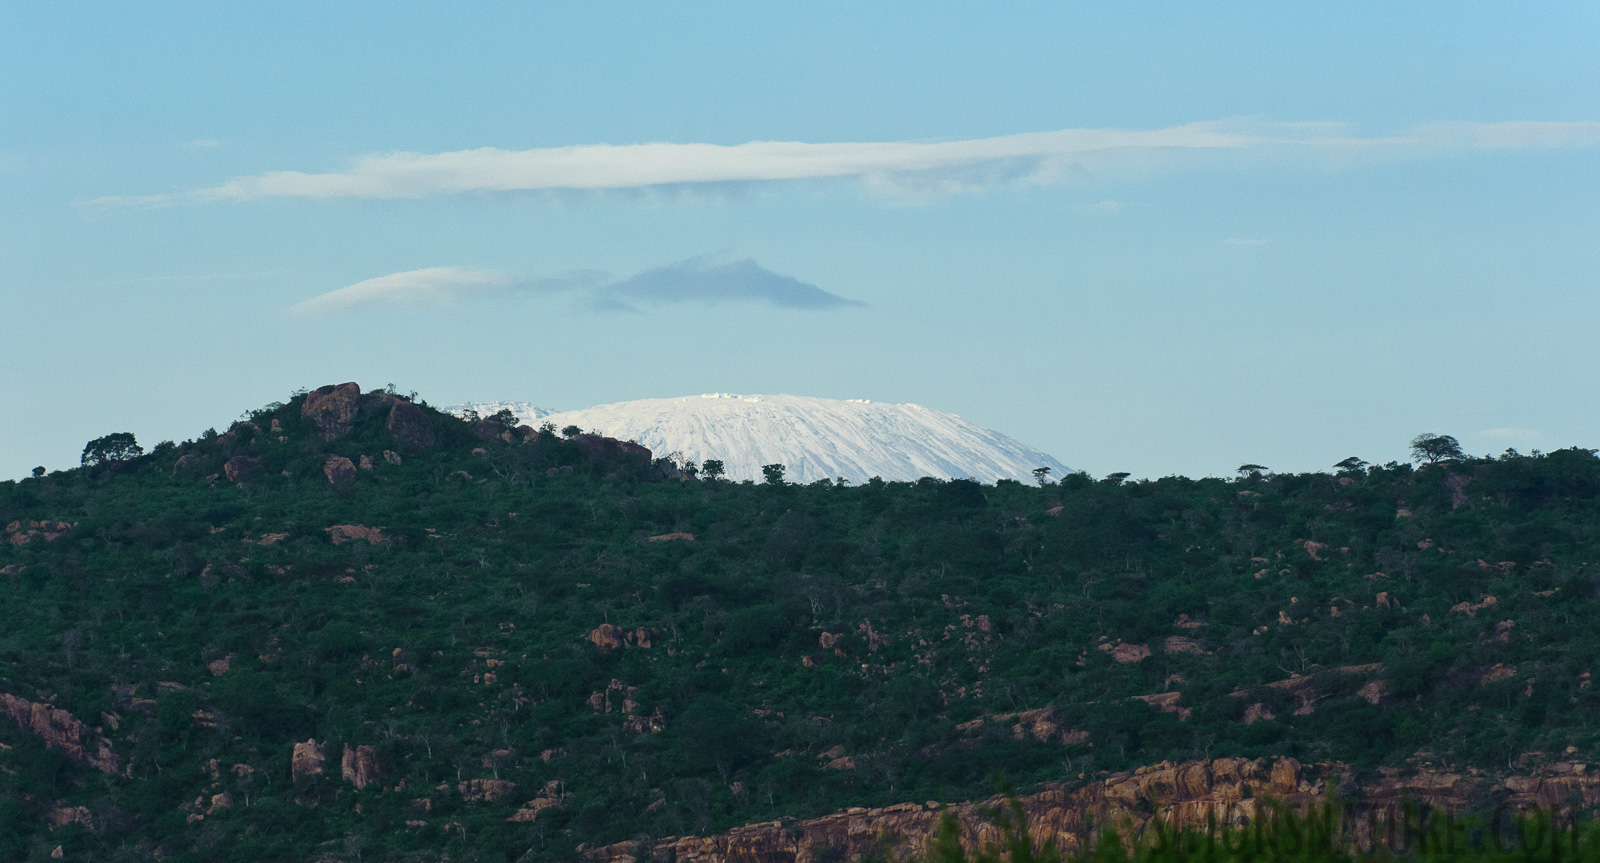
column 940, row 166
column 697, row 280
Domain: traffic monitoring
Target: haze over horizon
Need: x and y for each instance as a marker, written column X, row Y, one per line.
column 1169, row 240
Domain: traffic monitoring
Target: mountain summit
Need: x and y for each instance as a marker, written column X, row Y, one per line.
column 815, row 438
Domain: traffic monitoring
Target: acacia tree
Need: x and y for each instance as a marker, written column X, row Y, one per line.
column 114, row 447
column 713, row 469
column 773, row 473
column 1434, row 448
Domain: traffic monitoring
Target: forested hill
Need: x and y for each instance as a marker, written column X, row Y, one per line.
column 352, row 627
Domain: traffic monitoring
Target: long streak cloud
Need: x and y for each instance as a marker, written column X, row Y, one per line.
column 941, row 166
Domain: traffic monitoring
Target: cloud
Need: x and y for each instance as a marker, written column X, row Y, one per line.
column 896, row 167
column 698, row 280
column 695, row 280
column 425, row 287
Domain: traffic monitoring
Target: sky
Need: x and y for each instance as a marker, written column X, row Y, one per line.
column 1157, row 238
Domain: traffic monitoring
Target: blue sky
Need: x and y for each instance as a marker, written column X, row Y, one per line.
column 1163, row 238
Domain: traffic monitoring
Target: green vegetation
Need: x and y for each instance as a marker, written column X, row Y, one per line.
column 659, row 655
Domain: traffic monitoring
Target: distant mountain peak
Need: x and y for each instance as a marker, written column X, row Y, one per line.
column 815, row 438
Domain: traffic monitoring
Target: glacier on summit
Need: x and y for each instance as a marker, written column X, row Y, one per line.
column 815, row 438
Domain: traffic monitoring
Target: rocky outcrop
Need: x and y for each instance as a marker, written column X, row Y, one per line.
column 23, row 532
column 671, row 537
column 332, row 408
column 309, row 760
column 343, row 533
column 359, row 766
column 61, row 731
column 485, row 790
column 339, row 470
column 1229, row 790
column 240, row 467
column 607, row 449
column 409, row 425
column 550, row 799
column 607, row 636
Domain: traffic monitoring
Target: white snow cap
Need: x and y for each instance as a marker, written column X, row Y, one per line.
column 814, row 438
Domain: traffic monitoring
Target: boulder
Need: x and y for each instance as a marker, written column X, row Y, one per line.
column 485, row 790
column 607, row 636
column 239, row 467
column 409, row 425
column 309, row 759
column 343, row 533
column 359, row 766
column 391, row 457
column 339, row 470
column 59, row 730
column 332, row 408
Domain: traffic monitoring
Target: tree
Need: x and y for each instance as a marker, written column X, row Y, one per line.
column 712, row 468
column 773, row 473
column 1434, row 448
column 1351, row 463
column 1251, row 469
column 114, row 447
column 1041, row 475
column 571, row 431
column 505, row 419
column 38, row 472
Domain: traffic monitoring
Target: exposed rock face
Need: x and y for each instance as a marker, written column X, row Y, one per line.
column 240, row 467
column 409, row 425
column 671, row 537
column 1227, row 789
column 309, row 760
column 332, row 408
column 550, row 799
column 609, row 637
column 339, row 470
column 391, row 457
column 343, row 533
column 61, row 731
column 359, row 766
column 610, row 449
column 23, row 532
column 485, row 790
column 62, row 816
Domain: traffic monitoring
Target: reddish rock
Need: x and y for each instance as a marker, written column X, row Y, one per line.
column 359, row 766
column 409, row 425
column 339, row 470
column 332, row 408
column 343, row 533
column 1179, row 644
column 62, row 816
column 641, row 637
column 608, row 449
column 550, row 799
column 609, row 637
column 1185, row 795
column 309, row 759
column 672, row 537
column 366, row 462
column 61, row 731
column 485, row 790
column 239, row 467
column 1129, row 652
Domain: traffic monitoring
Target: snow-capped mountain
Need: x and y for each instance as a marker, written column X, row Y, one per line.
column 814, row 438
